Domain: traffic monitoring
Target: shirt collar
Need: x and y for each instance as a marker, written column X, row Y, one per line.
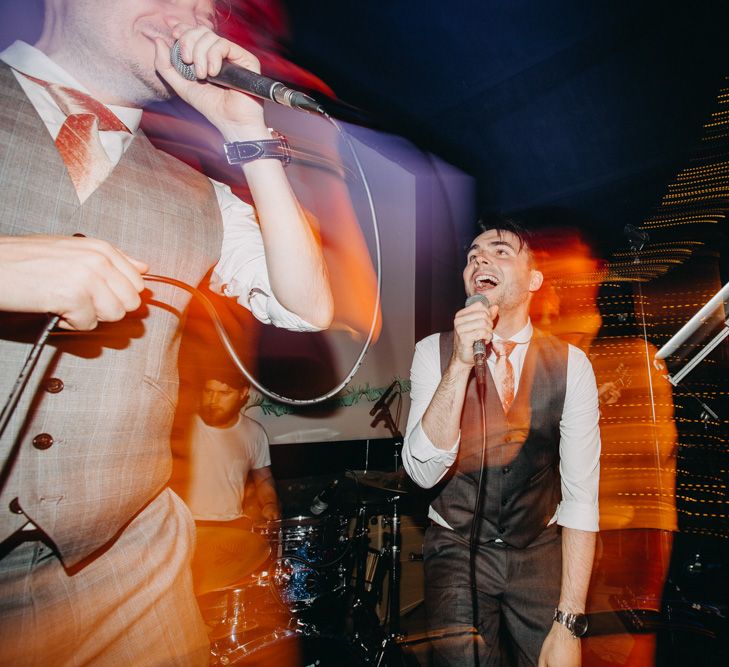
column 29, row 60
column 520, row 337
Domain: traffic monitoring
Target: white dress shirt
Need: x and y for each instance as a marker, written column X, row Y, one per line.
column 241, row 271
column 579, row 445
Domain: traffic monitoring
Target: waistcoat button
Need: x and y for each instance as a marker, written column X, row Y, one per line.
column 43, row 441
column 15, row 507
column 506, row 470
column 53, row 385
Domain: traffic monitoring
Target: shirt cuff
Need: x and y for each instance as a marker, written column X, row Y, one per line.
column 264, row 307
column 580, row 516
column 269, row 311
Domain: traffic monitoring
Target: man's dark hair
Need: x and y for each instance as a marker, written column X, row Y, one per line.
column 229, row 376
column 502, row 223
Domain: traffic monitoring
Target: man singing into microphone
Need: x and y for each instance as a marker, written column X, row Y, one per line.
column 94, row 553
column 536, row 524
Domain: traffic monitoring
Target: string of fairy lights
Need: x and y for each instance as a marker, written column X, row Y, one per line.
column 677, row 269
column 694, row 209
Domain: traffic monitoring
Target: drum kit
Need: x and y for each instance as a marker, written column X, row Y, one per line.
column 304, row 591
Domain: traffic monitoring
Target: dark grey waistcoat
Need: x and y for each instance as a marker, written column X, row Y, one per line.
column 522, row 485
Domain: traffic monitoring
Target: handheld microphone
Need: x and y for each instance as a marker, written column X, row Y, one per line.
column 479, row 347
column 383, row 399
column 323, row 499
column 243, row 80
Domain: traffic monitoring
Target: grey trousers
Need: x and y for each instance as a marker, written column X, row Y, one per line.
column 518, row 590
column 131, row 605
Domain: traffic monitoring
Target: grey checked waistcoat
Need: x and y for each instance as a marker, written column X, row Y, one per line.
column 522, row 485
column 104, row 446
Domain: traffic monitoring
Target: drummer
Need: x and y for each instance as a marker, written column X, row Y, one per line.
column 222, row 450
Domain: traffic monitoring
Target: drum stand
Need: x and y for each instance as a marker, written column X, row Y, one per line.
column 391, row 553
column 393, row 635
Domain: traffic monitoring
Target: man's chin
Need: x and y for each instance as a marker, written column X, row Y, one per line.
column 158, row 91
column 150, row 87
column 210, row 419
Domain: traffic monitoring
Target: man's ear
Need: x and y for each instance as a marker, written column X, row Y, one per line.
column 243, row 395
column 535, row 280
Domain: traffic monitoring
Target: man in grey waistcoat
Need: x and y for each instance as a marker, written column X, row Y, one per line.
column 94, row 551
column 538, row 436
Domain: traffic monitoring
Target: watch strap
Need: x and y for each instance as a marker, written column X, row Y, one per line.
column 575, row 623
column 241, row 152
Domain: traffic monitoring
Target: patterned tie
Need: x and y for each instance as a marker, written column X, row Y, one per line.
column 78, row 141
column 504, row 371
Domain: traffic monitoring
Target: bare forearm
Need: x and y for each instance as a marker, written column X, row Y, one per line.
column 296, row 268
column 266, row 493
column 297, row 272
column 442, row 419
column 561, row 648
column 578, row 550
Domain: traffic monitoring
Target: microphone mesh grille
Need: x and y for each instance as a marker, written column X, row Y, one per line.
column 183, row 69
column 477, row 297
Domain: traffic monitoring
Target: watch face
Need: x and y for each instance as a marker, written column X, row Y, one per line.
column 579, row 625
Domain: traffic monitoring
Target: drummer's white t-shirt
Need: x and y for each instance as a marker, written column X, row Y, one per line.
column 220, row 459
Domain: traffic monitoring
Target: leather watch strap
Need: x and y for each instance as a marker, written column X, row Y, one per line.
column 241, row 152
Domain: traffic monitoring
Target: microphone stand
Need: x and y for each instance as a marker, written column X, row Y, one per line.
column 384, row 415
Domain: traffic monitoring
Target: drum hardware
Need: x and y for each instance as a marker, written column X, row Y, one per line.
column 293, row 648
column 301, row 614
column 234, row 625
column 374, row 565
column 394, row 485
column 305, row 604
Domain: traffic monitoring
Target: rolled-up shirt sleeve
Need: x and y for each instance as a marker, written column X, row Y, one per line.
column 242, row 272
column 579, row 447
column 424, row 462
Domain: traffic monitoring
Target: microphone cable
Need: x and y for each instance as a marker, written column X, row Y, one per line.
column 473, row 538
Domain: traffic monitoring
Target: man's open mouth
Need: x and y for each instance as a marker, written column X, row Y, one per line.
column 485, row 281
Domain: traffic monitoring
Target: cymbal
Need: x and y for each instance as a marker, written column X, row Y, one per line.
column 225, row 556
column 391, row 482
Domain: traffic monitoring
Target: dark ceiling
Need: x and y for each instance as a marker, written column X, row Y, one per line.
column 586, row 106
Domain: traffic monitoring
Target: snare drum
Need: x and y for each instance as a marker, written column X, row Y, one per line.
column 312, row 558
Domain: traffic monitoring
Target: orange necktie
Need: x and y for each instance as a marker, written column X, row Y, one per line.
column 78, row 141
column 504, row 371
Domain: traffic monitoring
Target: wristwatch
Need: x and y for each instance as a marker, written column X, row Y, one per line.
column 575, row 623
column 240, row 152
